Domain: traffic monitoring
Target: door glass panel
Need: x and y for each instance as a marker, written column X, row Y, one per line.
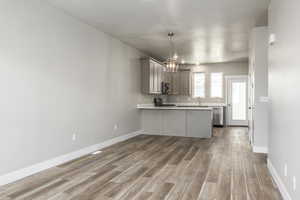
column 239, row 101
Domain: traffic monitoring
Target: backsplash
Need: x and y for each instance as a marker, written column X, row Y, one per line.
column 187, row 99
column 148, row 99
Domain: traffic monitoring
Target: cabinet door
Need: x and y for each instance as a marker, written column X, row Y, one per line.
column 151, row 77
column 174, row 122
column 199, row 124
column 185, row 83
column 175, row 84
column 167, row 77
column 159, row 69
column 156, row 78
column 152, row 121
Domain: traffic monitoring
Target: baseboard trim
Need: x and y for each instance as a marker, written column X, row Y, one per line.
column 161, row 133
column 151, row 133
column 283, row 190
column 257, row 149
column 25, row 172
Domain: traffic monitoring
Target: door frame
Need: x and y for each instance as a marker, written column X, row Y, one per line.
column 228, row 113
column 251, row 101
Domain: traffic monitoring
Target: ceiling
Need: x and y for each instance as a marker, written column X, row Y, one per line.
column 206, row 31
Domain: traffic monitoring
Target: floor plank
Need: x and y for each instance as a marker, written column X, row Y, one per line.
column 157, row 168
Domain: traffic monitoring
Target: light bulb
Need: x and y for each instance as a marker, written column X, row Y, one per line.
column 175, row 56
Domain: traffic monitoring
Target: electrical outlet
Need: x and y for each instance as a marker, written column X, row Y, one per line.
column 116, row 127
column 285, row 170
column 294, row 183
column 74, row 137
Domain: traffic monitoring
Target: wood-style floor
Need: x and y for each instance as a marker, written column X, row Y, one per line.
column 156, row 168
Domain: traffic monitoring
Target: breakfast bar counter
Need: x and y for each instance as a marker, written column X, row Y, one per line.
column 152, row 107
column 185, row 121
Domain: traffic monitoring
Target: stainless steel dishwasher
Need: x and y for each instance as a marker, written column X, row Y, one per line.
column 218, row 116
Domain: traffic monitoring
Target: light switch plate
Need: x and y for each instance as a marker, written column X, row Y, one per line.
column 285, row 170
column 272, row 39
column 264, row 99
column 116, row 127
column 74, row 137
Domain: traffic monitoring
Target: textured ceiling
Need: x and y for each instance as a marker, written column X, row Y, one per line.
column 206, row 31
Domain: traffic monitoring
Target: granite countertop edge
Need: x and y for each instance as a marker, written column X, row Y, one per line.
column 152, row 107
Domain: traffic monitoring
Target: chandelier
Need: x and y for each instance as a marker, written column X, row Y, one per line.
column 171, row 63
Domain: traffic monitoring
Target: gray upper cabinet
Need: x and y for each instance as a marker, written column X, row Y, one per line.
column 152, row 75
column 180, row 82
column 175, row 83
column 185, row 83
column 173, row 79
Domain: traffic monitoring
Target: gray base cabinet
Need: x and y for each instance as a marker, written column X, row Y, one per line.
column 199, row 124
column 185, row 123
column 152, row 121
column 173, row 123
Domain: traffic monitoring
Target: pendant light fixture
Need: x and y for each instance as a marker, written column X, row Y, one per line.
column 171, row 63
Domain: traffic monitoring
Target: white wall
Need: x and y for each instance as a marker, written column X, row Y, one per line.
column 59, row 76
column 258, row 71
column 284, row 90
column 228, row 69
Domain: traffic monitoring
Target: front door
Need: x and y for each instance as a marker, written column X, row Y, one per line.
column 237, row 101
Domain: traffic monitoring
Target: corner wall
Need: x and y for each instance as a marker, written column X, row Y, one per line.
column 258, row 89
column 60, row 77
column 284, row 91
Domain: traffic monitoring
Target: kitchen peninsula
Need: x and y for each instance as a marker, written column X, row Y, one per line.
column 185, row 121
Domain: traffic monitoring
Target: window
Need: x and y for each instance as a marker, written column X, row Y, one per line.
column 216, row 85
column 239, row 100
column 199, row 85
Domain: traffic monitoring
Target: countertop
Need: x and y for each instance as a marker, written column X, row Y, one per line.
column 200, row 104
column 152, row 107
